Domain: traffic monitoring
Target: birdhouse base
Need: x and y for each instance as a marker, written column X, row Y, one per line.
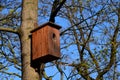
column 48, row 58
column 45, row 59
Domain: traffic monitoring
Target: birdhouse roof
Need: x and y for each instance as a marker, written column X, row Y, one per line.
column 45, row 24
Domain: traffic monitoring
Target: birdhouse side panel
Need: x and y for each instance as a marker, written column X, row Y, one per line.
column 39, row 43
column 35, row 45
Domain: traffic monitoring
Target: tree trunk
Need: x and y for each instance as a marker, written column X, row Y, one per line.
column 29, row 19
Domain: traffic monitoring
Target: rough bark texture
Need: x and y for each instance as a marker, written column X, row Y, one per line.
column 29, row 19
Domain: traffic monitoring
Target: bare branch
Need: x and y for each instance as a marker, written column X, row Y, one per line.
column 56, row 7
column 10, row 73
column 113, row 51
column 9, row 30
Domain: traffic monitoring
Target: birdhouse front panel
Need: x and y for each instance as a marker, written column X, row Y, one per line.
column 54, row 43
column 46, row 43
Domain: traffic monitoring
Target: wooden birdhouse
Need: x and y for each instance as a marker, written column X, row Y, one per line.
column 46, row 43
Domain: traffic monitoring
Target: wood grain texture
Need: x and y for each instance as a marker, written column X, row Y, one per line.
column 45, row 44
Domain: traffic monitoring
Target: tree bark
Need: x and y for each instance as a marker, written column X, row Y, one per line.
column 29, row 19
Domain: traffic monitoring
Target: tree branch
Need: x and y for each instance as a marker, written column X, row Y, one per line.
column 14, row 74
column 113, row 50
column 56, row 7
column 9, row 30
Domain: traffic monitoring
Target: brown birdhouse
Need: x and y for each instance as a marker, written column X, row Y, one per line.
column 46, row 43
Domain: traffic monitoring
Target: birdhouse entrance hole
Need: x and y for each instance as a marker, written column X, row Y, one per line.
column 54, row 36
